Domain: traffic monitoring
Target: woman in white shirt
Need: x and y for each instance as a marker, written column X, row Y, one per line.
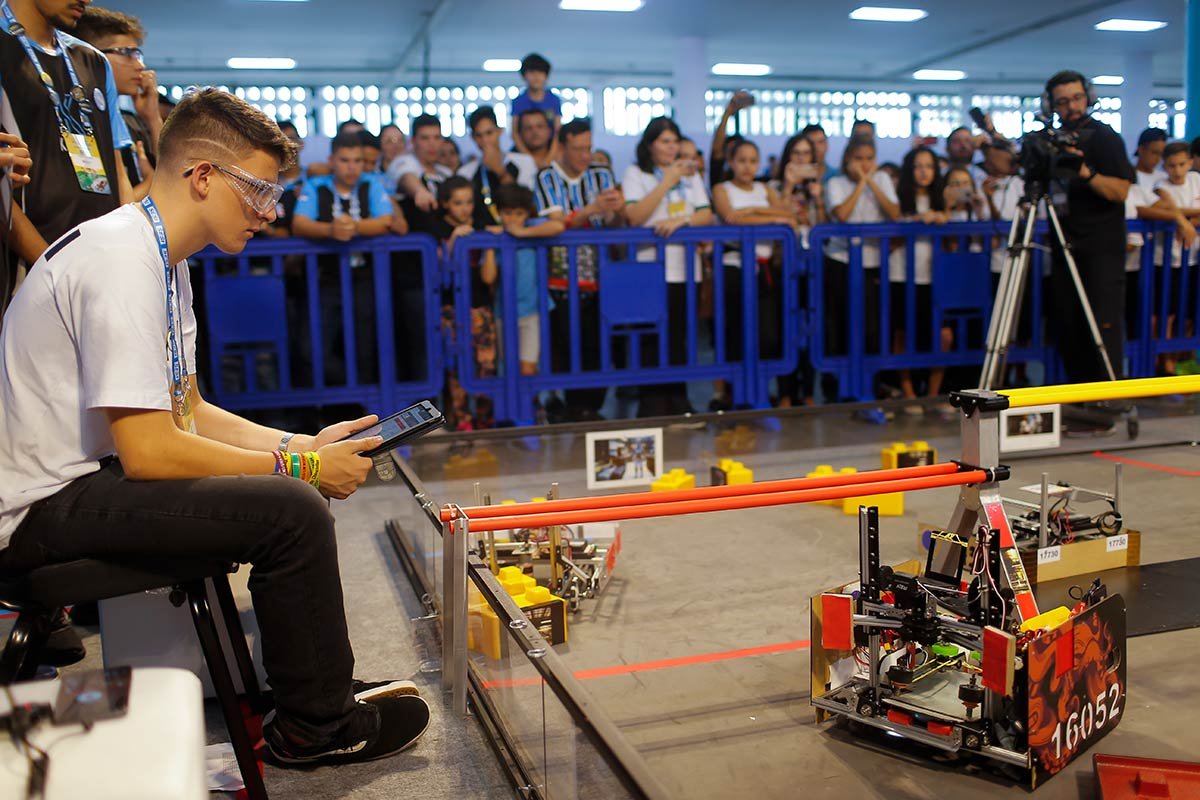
column 744, row 201
column 921, row 200
column 665, row 192
column 861, row 193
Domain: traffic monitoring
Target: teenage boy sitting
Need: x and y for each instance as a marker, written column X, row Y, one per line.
column 108, row 450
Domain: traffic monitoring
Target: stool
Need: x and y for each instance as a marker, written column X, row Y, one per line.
column 36, row 594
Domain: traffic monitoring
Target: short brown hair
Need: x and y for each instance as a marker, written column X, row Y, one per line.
column 212, row 123
column 1175, row 148
column 98, row 25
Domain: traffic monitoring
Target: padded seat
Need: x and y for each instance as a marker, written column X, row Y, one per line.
column 37, row 594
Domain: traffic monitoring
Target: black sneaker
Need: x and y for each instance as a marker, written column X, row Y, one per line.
column 63, row 646
column 376, row 729
column 368, row 691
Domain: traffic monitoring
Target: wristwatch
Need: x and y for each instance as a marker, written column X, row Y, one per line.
column 284, row 441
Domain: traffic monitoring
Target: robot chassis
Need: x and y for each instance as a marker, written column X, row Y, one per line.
column 966, row 664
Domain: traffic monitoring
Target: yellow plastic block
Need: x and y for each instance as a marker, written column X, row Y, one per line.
column 675, row 479
column 735, row 471
column 899, row 454
column 825, row 470
column 890, row 504
column 1049, row 620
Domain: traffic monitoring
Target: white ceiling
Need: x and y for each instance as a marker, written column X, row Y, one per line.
column 1008, row 45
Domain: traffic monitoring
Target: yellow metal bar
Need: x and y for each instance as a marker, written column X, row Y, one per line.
column 1102, row 390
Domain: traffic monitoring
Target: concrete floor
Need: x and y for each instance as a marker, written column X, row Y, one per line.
column 697, row 585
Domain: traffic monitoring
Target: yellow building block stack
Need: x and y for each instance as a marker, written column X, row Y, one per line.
column 824, row 471
column 546, row 611
column 899, row 455
column 735, row 472
column 675, row 479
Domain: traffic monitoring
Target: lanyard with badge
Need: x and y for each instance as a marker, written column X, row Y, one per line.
column 485, row 189
column 181, row 387
column 676, row 200
column 81, row 147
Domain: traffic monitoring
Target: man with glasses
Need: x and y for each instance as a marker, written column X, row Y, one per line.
column 120, row 36
column 1092, row 211
column 60, row 97
column 108, row 450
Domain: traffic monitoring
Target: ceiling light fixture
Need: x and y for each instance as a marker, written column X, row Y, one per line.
column 745, row 70
column 261, row 63
column 1130, row 25
column 501, row 65
column 600, row 5
column 1108, row 80
column 939, row 75
column 880, row 14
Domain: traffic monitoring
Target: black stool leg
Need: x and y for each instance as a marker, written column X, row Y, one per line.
column 237, row 640
column 26, row 638
column 218, row 670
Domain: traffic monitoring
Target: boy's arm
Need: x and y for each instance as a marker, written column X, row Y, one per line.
column 24, row 238
column 375, row 226
column 311, row 229
column 552, row 226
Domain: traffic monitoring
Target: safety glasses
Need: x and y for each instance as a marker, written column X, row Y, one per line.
column 129, row 52
column 262, row 196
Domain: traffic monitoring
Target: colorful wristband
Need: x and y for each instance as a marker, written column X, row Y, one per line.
column 295, row 459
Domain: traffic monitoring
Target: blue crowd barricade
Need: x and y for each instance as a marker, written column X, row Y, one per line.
column 623, row 324
column 1161, row 315
column 296, row 323
column 886, row 316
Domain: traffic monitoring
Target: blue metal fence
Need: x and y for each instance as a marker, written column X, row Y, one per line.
column 634, row 313
column 293, row 323
column 288, row 323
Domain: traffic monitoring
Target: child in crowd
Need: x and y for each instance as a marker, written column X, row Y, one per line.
column 343, row 205
column 921, row 200
column 1179, row 191
column 456, row 200
column 861, row 193
column 535, row 71
column 963, row 202
column 743, row 200
column 518, row 216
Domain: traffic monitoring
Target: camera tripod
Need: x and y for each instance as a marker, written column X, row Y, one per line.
column 1006, row 309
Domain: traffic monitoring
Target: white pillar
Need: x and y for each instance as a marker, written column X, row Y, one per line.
column 690, row 81
column 1136, row 94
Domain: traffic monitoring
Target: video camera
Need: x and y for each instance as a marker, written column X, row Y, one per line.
column 1044, row 157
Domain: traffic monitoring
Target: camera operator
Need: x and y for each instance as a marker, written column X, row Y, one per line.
column 1093, row 223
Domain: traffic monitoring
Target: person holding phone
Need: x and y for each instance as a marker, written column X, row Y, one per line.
column 721, row 141
column 862, row 193
column 665, row 192
column 109, row 451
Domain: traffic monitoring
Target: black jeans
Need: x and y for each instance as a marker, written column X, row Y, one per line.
column 1100, row 257
column 282, row 527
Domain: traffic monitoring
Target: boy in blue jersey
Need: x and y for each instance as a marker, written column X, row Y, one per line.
column 535, row 71
column 343, row 205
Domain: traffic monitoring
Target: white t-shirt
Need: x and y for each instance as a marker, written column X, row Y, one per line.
column 1007, row 199
column 527, row 168
column 867, row 209
column 87, row 331
column 689, row 196
column 756, row 197
column 922, row 267
column 1148, row 180
column 407, row 164
column 1138, row 195
column 1184, row 196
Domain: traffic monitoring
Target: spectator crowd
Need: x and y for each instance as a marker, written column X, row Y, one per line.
column 83, row 141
